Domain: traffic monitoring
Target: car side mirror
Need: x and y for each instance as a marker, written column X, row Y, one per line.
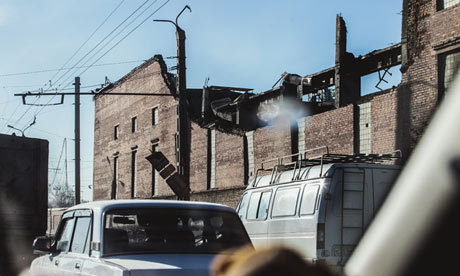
column 42, row 245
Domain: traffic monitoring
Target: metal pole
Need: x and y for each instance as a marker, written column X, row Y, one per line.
column 182, row 137
column 182, row 120
column 77, row 140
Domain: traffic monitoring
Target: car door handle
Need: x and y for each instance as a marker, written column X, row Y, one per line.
column 77, row 265
column 56, row 262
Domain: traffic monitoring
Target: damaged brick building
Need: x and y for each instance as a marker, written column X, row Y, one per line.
column 229, row 131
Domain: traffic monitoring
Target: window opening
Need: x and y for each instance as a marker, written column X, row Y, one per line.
column 444, row 4
column 115, row 132
column 155, row 116
column 133, row 174
column 133, row 124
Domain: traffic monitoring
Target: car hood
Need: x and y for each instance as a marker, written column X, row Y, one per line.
column 164, row 264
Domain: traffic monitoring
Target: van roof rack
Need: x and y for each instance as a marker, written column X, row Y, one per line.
column 307, row 158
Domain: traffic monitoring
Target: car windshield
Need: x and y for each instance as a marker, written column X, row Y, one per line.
column 166, row 230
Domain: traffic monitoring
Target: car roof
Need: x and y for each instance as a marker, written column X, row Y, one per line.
column 103, row 205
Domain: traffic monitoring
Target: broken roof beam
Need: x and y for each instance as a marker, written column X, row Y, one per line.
column 367, row 64
column 230, row 88
column 321, row 80
column 379, row 60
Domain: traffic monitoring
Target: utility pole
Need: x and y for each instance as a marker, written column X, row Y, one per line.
column 183, row 123
column 182, row 114
column 77, row 95
column 77, row 140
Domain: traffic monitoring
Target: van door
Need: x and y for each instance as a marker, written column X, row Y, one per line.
column 352, row 224
column 284, row 224
column 383, row 180
column 256, row 217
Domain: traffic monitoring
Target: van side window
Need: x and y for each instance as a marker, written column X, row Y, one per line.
column 308, row 203
column 242, row 205
column 263, row 206
column 258, row 205
column 253, row 205
column 285, row 202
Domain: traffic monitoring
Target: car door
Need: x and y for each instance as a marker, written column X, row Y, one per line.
column 51, row 264
column 256, row 217
column 72, row 262
column 71, row 245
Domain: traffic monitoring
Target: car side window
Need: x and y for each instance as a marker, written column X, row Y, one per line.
column 63, row 242
column 88, row 240
column 285, row 202
column 81, row 233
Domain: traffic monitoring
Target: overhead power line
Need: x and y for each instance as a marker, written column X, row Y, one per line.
column 84, row 43
column 76, row 64
column 107, row 43
column 123, row 38
column 135, row 28
column 61, row 69
column 36, row 113
column 99, row 43
column 106, row 52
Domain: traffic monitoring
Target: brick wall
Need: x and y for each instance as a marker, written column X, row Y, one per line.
column 229, row 160
column 429, row 33
column 383, row 122
column 198, row 158
column 272, row 141
column 118, row 110
column 398, row 119
column 333, row 129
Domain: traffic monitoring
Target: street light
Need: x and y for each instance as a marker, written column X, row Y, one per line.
column 22, row 131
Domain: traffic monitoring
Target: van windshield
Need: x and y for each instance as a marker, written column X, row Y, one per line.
column 167, row 230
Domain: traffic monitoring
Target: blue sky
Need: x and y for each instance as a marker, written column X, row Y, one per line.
column 234, row 43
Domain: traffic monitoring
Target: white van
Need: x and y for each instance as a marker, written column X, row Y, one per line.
column 320, row 206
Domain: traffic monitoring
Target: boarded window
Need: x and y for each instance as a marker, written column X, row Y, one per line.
column 285, row 202
column 308, row 203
